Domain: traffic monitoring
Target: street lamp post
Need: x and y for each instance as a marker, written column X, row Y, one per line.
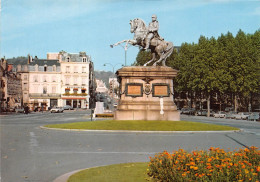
column 124, row 47
column 113, row 66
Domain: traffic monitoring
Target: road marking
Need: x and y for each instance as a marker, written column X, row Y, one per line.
column 99, row 152
column 33, row 142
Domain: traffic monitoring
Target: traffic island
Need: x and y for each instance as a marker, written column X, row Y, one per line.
column 141, row 125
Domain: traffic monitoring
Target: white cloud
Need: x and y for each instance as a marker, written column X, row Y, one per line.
column 30, row 12
column 256, row 11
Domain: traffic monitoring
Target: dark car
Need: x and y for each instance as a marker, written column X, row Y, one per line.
column 202, row 112
column 68, row 107
column 189, row 111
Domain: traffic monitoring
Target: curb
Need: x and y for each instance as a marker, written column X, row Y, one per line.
column 65, row 177
column 133, row 131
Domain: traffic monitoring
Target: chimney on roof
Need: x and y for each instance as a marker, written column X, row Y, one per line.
column 29, row 59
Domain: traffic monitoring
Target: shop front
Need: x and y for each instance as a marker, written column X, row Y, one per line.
column 75, row 102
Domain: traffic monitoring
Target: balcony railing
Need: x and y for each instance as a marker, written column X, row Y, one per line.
column 75, row 94
column 51, row 95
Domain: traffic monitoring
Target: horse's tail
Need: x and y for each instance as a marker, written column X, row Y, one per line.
column 169, row 49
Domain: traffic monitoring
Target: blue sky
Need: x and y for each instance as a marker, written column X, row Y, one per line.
column 37, row 27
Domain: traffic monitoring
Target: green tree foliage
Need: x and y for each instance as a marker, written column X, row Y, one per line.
column 228, row 67
column 142, row 58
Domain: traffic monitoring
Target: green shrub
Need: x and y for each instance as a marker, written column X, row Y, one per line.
column 214, row 165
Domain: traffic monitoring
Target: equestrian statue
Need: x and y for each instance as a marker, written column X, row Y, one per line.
column 149, row 38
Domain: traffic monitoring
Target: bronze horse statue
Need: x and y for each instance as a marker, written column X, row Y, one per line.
column 157, row 46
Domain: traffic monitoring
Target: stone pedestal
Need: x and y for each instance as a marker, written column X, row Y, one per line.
column 99, row 108
column 146, row 94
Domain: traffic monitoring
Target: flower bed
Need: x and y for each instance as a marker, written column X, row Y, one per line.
column 213, row 165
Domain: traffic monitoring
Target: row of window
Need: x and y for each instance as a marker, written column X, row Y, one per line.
column 75, row 80
column 75, row 69
column 75, row 90
column 45, row 90
column 54, row 90
column 84, row 59
column 45, row 68
column 44, row 79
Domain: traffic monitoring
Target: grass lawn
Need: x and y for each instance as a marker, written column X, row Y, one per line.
column 142, row 126
column 119, row 172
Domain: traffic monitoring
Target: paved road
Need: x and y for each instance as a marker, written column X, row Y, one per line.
column 31, row 154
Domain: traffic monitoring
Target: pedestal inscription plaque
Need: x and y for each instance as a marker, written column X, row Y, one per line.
column 161, row 90
column 134, row 89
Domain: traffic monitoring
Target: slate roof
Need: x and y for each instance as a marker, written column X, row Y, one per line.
column 48, row 62
column 40, row 62
column 17, row 61
column 74, row 57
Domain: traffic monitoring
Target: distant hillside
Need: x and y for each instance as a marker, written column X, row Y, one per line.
column 104, row 76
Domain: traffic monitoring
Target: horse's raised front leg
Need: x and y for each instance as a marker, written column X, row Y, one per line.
column 133, row 42
column 153, row 58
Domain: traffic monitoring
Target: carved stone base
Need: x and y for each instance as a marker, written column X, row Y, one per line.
column 146, row 94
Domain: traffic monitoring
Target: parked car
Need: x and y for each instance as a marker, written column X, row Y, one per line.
column 254, row 116
column 231, row 115
column 212, row 112
column 68, row 107
column 189, row 111
column 19, row 110
column 56, row 109
column 242, row 115
column 219, row 114
column 202, row 112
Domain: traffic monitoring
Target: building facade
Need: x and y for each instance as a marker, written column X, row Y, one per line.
column 76, row 70
column 61, row 79
column 11, row 88
column 44, row 84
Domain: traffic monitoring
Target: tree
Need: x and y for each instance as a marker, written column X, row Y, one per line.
column 142, row 58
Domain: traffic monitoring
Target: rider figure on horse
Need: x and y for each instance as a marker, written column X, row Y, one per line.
column 152, row 31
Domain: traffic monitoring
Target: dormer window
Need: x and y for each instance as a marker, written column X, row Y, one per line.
column 54, row 67
column 84, row 59
column 36, row 67
column 45, row 68
column 68, row 59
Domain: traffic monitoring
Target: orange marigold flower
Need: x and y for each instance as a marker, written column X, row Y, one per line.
column 253, row 148
column 183, row 174
column 192, row 163
column 258, row 168
column 246, row 150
